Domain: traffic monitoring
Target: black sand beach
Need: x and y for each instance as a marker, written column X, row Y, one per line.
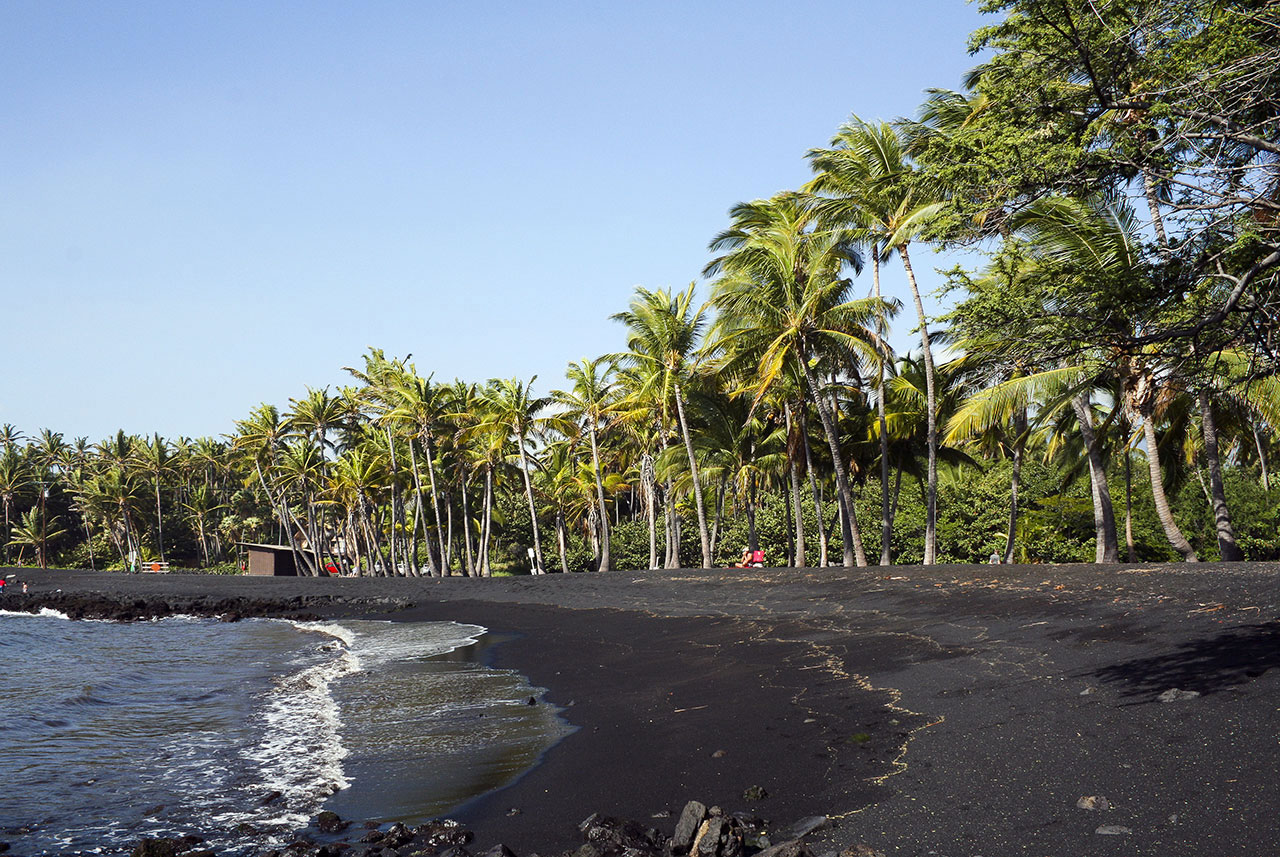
column 952, row 710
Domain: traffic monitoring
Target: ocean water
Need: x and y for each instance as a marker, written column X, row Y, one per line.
column 241, row 732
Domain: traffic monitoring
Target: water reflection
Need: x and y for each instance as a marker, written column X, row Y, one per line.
column 429, row 734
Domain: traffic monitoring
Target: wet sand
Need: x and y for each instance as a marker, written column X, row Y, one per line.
column 953, row 710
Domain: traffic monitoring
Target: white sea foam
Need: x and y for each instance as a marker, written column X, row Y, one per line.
column 380, row 642
column 44, row 611
column 301, row 751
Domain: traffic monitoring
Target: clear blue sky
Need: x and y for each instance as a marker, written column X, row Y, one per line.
column 207, row 205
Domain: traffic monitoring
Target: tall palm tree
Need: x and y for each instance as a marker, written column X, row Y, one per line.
column 421, row 406
column 591, row 401
column 870, row 186
column 641, row 415
column 663, row 333
column 154, row 457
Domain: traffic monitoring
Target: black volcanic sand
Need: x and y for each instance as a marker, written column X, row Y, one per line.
column 952, row 710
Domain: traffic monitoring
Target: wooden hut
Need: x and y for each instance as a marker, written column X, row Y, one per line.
column 272, row 560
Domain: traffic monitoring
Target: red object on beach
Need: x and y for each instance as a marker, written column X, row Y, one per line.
column 757, row 557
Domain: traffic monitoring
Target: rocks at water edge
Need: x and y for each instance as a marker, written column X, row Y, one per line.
column 701, row 831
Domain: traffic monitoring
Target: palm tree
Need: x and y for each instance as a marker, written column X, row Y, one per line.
column 259, row 438
column 641, row 414
column 1098, row 238
column 419, row 405
column 154, row 458
column 870, row 186
column 10, row 437
column 663, row 331
column 508, row 403
column 14, row 479
column 31, row 532
column 590, row 401
column 357, row 474
column 784, row 301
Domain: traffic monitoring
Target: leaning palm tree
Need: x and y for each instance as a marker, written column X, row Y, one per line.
column 1098, row 238
column 663, row 332
column 869, row 185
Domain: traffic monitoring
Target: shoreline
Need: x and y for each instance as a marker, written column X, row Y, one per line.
column 1017, row 691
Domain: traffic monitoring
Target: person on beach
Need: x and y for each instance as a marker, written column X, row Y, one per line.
column 995, row 558
column 24, row 587
column 3, row 583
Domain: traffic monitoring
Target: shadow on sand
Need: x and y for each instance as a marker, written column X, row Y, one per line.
column 1207, row 665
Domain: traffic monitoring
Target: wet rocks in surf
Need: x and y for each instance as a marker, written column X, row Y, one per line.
column 329, row 822
column 700, row 831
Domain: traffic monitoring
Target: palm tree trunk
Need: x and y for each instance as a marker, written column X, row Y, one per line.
column 852, row 539
column 649, row 481
column 88, row 540
column 1104, row 519
column 823, row 561
column 1157, row 220
column 159, row 520
column 487, row 529
column 466, row 530
column 419, row 517
column 533, row 512
column 721, row 489
column 1015, row 481
column 1131, row 551
column 793, row 466
column 395, row 502
column 673, row 535
column 931, row 516
column 435, row 505
column 8, row 529
column 1163, row 512
column 703, row 534
column 1262, row 459
column 886, row 519
column 1227, row 546
column 446, row 564
column 204, row 545
column 605, row 562
column 560, row 541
